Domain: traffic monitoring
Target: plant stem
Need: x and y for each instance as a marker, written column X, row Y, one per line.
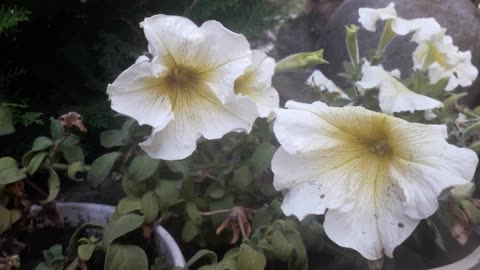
column 57, row 144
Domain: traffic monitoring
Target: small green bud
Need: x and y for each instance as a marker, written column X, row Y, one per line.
column 352, row 43
column 77, row 171
column 300, row 61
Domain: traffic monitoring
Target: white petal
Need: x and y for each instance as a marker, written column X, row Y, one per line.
column 210, row 49
column 267, row 101
column 205, row 116
column 318, row 79
column 419, row 55
column 428, row 165
column 401, row 26
column 395, row 97
column 375, row 225
column 425, row 29
column 290, row 131
column 134, row 93
column 231, row 53
column 256, row 83
column 165, row 34
column 464, row 191
column 429, row 115
column 368, row 17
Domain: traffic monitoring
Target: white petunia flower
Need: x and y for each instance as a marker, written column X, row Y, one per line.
column 186, row 90
column 424, row 28
column 393, row 96
column 442, row 59
column 256, row 83
column 318, row 79
column 377, row 175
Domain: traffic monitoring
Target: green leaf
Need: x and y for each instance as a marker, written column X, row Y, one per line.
column 469, row 131
column 85, row 252
column 281, row 247
column 133, row 188
column 53, row 185
column 249, row 258
column 449, row 104
column 7, row 163
column 266, row 215
column 224, row 203
column 101, row 167
column 216, row 190
column 142, row 168
column 41, row 143
column 54, row 256
column 262, row 157
column 128, row 204
column 150, row 207
column 189, row 231
column 127, row 129
column 27, row 157
column 72, row 139
column 193, row 213
column 56, row 129
column 125, row 257
column 241, row 178
column 73, row 243
column 179, row 166
column 73, row 153
column 36, row 162
column 6, row 121
column 4, row 219
column 9, row 173
column 167, row 193
column 112, row 138
column 120, row 226
column 203, row 253
column 475, row 146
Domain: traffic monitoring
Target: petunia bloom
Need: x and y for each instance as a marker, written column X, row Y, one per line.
column 186, row 90
column 424, row 28
column 442, row 59
column 319, row 80
column 256, row 83
column 377, row 175
column 393, row 96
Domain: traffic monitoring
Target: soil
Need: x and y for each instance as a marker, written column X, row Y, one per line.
column 39, row 241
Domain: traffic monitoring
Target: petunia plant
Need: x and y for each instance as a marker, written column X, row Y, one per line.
column 205, row 150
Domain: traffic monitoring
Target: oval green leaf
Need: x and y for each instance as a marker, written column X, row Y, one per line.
column 120, row 226
column 101, row 167
column 125, row 257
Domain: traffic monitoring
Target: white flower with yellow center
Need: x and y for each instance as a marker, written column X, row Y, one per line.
column 377, row 175
column 186, row 90
column 318, row 79
column 256, row 83
column 393, row 96
column 442, row 59
column 424, row 28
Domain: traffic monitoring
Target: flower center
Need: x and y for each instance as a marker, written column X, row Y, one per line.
column 379, row 147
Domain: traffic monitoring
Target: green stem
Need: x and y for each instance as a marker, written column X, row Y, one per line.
column 57, row 144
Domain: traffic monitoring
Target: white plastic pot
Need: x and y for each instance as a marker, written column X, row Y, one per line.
column 75, row 214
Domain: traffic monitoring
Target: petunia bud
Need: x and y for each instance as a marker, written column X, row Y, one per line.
column 300, row 61
column 77, row 171
column 352, row 43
